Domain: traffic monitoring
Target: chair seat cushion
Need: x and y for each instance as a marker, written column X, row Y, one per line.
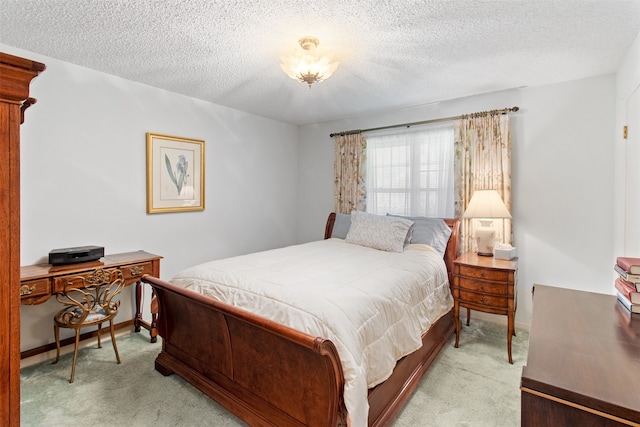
column 95, row 314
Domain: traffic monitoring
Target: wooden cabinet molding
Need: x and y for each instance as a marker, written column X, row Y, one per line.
column 15, row 77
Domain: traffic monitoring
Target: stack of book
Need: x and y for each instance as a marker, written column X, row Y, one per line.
column 628, row 283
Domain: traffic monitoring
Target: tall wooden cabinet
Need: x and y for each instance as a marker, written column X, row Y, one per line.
column 15, row 76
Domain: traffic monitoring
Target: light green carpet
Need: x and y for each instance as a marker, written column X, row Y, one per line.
column 473, row 385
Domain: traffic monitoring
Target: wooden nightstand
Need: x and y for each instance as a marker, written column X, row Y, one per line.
column 485, row 284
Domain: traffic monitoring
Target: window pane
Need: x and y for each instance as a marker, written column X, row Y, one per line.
column 410, row 172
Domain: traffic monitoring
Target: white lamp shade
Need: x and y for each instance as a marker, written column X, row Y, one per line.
column 486, row 204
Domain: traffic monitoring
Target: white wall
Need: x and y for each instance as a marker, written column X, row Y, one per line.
column 84, row 177
column 562, row 179
column 627, row 177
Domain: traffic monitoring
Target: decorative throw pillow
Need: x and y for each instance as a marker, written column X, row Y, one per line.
column 429, row 231
column 341, row 225
column 379, row 232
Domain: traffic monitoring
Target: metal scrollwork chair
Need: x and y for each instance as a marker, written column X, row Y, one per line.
column 90, row 300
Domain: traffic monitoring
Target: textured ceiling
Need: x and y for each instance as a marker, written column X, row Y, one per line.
column 393, row 53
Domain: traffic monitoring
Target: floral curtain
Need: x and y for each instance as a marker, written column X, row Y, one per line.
column 349, row 171
column 482, row 162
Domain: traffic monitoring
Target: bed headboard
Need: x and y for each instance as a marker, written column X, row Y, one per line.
column 452, row 246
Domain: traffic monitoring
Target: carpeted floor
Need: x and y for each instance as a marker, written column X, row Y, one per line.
column 473, row 385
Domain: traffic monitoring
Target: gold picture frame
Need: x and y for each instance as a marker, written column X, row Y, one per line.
column 175, row 174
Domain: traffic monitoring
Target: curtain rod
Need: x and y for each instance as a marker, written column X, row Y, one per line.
column 444, row 119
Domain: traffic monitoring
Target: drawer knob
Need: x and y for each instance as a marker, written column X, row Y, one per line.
column 26, row 289
column 136, row 271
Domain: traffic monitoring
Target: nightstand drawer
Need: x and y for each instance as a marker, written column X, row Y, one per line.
column 135, row 271
column 475, row 285
column 74, row 280
column 483, row 273
column 34, row 288
column 483, row 299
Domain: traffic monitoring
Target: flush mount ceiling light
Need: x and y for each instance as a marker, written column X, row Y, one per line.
column 309, row 66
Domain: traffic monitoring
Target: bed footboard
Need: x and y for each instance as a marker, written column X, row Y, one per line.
column 265, row 373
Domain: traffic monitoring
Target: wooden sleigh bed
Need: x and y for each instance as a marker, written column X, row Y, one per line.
column 268, row 374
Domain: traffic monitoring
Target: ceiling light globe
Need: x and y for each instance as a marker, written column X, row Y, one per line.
column 309, row 66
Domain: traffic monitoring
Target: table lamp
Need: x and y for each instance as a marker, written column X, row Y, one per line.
column 485, row 205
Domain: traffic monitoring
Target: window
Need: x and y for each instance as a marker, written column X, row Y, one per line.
column 411, row 172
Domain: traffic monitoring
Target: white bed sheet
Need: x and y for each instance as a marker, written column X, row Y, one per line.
column 373, row 305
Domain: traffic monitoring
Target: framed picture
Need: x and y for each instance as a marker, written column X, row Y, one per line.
column 175, row 174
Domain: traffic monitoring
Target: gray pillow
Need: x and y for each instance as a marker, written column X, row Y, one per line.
column 429, row 231
column 341, row 225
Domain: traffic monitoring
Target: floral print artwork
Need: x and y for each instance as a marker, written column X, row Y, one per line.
column 179, row 177
column 175, row 174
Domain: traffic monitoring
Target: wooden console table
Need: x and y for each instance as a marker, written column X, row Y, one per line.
column 583, row 361
column 39, row 282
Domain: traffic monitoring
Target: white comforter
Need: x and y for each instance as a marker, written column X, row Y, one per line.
column 373, row 305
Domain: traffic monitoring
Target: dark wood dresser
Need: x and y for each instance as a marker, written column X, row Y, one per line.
column 583, row 366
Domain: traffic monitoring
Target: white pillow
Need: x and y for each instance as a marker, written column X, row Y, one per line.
column 379, row 232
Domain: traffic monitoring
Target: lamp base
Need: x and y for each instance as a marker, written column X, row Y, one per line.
column 485, row 238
